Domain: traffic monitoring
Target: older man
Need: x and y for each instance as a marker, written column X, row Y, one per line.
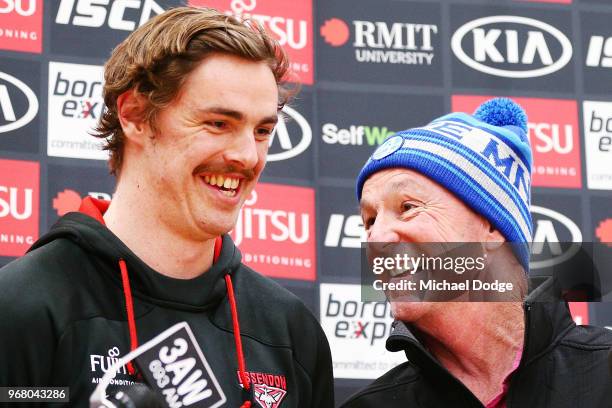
column 466, row 179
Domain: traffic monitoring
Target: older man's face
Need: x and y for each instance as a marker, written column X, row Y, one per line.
column 401, row 205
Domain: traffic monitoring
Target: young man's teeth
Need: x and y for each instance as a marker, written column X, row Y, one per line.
column 227, row 183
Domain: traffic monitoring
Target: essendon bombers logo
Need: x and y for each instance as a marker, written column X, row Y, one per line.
column 269, row 390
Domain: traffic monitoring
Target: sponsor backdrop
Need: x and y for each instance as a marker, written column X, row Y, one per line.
column 367, row 69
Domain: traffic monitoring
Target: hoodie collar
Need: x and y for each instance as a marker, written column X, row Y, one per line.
column 87, row 230
column 546, row 322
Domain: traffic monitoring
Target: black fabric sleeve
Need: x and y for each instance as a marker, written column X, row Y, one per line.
column 27, row 337
column 323, row 378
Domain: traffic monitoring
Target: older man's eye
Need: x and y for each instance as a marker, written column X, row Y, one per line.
column 368, row 222
column 407, row 206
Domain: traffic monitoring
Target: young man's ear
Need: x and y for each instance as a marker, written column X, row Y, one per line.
column 130, row 110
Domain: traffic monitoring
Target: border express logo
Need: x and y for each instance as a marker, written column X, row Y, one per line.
column 597, row 119
column 75, row 105
column 553, row 135
column 290, row 22
column 21, row 25
column 511, row 46
column 275, row 231
column 19, row 206
column 383, row 42
column 357, row 332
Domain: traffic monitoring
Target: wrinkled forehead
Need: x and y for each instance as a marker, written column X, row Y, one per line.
column 389, row 183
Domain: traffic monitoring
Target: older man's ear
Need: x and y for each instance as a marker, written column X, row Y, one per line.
column 493, row 238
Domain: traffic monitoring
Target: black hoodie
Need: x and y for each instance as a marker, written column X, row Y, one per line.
column 63, row 319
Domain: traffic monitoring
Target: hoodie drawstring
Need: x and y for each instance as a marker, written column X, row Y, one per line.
column 129, row 306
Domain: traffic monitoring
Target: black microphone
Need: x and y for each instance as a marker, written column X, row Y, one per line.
column 175, row 370
column 135, row 396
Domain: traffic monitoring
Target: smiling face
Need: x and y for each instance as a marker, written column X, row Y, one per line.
column 401, row 205
column 210, row 145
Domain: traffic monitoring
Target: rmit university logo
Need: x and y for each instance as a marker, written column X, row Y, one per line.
column 290, row 22
column 356, row 332
column 116, row 14
column 275, row 231
column 18, row 103
column 285, row 145
column 384, row 42
column 21, row 25
column 19, row 206
column 511, row 46
column 75, row 105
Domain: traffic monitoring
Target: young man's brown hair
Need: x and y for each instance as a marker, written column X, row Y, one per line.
column 158, row 57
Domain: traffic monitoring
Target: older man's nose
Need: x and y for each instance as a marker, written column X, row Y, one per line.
column 382, row 231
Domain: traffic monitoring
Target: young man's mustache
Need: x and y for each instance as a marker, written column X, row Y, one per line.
column 249, row 174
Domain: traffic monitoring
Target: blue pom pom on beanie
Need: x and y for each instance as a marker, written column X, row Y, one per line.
column 484, row 159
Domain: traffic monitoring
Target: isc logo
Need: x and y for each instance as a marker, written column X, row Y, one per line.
column 600, row 52
column 346, row 232
column 94, row 13
column 24, row 8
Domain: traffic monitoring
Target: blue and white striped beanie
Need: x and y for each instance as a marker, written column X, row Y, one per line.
column 484, row 159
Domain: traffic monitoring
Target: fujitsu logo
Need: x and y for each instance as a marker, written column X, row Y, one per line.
column 24, row 8
column 522, row 52
column 547, row 137
column 94, row 13
column 290, row 32
column 16, row 202
column 267, row 224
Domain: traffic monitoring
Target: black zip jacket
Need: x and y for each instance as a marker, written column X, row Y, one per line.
column 562, row 365
column 63, row 319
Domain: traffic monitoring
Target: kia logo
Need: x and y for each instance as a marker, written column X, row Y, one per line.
column 495, row 46
column 288, row 146
column 547, row 225
column 9, row 86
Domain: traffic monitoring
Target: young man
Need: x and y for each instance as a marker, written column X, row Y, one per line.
column 191, row 99
column 464, row 179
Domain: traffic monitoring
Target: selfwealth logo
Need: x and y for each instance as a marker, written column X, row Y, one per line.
column 553, row 134
column 355, row 135
column 75, row 105
column 19, row 206
column 21, row 25
column 383, row 42
column 356, row 332
column 285, row 145
column 550, row 229
column 275, row 231
column 290, row 22
column 511, row 46
column 18, row 103
column 597, row 119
